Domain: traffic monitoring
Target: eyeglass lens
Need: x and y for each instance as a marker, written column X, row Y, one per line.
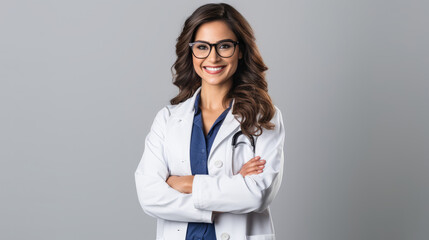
column 224, row 49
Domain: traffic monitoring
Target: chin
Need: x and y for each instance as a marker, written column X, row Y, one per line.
column 218, row 82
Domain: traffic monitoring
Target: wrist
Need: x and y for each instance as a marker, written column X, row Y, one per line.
column 190, row 183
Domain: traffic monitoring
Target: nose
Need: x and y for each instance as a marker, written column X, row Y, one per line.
column 213, row 56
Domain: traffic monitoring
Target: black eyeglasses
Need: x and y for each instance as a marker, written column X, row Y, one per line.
column 224, row 48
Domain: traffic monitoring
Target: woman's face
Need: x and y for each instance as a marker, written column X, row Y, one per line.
column 214, row 32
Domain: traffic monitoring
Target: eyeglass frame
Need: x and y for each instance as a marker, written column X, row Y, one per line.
column 215, row 45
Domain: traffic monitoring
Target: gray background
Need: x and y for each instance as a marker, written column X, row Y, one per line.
column 81, row 82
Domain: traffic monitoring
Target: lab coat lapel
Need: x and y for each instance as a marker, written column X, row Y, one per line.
column 182, row 128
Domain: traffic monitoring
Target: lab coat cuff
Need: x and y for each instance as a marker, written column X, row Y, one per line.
column 207, row 216
column 197, row 191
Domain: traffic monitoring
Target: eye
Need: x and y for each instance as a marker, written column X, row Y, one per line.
column 201, row 46
column 226, row 45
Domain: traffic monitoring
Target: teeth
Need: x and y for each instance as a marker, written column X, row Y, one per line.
column 213, row 69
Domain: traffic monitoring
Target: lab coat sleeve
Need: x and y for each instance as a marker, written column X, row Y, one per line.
column 156, row 197
column 238, row 194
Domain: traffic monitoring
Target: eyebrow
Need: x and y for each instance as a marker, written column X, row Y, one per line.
column 228, row 39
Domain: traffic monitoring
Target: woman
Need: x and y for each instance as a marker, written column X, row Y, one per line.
column 198, row 176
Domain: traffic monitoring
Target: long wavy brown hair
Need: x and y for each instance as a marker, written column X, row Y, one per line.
column 249, row 87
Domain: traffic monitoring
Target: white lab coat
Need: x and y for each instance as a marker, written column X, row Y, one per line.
column 242, row 201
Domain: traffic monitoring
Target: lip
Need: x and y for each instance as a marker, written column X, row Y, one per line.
column 214, row 72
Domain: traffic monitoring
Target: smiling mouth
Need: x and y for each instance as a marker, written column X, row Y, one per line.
column 214, row 70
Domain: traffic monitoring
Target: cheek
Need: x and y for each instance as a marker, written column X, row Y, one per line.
column 197, row 64
column 197, row 67
column 234, row 65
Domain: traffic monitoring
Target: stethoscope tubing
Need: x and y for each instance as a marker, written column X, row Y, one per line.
column 235, row 143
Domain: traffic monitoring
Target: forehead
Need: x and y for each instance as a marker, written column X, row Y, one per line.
column 214, row 31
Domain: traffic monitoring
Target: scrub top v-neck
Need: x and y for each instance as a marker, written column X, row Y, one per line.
column 199, row 151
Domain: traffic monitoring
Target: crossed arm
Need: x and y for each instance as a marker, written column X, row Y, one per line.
column 183, row 184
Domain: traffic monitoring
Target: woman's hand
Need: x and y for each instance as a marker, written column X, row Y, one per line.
column 182, row 184
column 253, row 166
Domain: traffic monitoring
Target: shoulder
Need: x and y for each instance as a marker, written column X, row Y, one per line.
column 164, row 113
column 278, row 117
column 277, row 120
column 168, row 111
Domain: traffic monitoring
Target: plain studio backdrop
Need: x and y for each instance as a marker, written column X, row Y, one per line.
column 81, row 82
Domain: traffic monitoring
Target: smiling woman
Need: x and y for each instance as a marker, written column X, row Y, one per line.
column 213, row 159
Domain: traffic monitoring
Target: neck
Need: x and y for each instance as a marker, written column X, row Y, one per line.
column 211, row 96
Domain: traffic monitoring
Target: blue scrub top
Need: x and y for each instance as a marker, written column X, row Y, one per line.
column 200, row 149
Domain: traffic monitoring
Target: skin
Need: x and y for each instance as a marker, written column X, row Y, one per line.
column 213, row 88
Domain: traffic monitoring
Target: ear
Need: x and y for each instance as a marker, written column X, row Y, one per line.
column 240, row 55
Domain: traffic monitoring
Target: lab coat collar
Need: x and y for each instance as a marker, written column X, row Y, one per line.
column 185, row 112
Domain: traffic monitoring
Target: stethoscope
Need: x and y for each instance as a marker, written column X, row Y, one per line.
column 235, row 143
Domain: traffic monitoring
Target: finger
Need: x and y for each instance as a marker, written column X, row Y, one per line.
column 260, row 162
column 257, row 163
column 252, row 163
column 253, row 169
column 256, row 168
column 253, row 172
column 255, row 158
